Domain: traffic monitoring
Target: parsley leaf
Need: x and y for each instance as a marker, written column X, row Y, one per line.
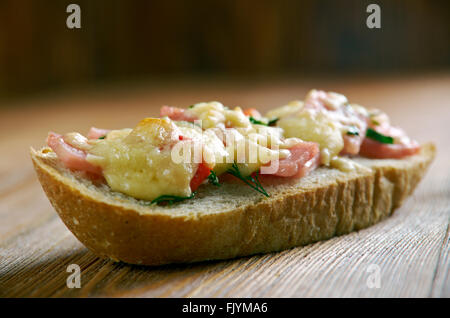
column 375, row 135
column 271, row 122
column 249, row 180
column 102, row 137
column 256, row 121
column 213, row 179
column 170, row 199
column 353, row 131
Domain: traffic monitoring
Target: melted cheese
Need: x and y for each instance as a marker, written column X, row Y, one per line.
column 324, row 118
column 138, row 162
column 316, row 126
column 251, row 148
column 343, row 164
column 284, row 111
column 215, row 115
column 141, row 162
column 213, row 151
column 250, row 145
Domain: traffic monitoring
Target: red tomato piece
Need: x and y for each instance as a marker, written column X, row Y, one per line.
column 201, row 174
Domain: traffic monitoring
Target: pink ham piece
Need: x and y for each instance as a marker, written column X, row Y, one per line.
column 303, row 159
column 402, row 146
column 373, row 149
column 315, row 100
column 253, row 112
column 320, row 101
column 352, row 143
column 95, row 133
column 176, row 113
column 71, row 157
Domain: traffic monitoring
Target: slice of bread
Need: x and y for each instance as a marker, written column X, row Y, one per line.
column 232, row 220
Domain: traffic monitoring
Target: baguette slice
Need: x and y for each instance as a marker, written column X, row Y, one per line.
column 232, row 220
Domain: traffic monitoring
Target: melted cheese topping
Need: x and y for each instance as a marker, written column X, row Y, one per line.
column 284, row 111
column 215, row 115
column 250, row 145
column 344, row 164
column 150, row 160
column 212, row 149
column 325, row 119
column 311, row 125
column 138, row 162
column 255, row 146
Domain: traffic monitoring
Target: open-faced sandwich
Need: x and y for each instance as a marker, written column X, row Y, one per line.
column 211, row 182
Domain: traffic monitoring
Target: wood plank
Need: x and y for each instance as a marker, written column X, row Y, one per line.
column 309, row 271
column 441, row 281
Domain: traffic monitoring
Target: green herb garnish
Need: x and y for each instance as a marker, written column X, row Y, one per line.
column 353, row 131
column 170, row 199
column 213, row 179
column 249, row 180
column 102, row 137
column 191, row 106
column 256, row 121
column 373, row 134
column 271, row 122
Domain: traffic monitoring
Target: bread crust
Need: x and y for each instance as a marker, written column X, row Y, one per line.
column 329, row 205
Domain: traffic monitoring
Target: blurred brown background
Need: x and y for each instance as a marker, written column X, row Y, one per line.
column 171, row 39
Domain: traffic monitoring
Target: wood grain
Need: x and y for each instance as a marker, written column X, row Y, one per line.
column 411, row 248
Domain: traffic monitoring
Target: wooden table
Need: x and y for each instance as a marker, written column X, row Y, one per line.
column 410, row 248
